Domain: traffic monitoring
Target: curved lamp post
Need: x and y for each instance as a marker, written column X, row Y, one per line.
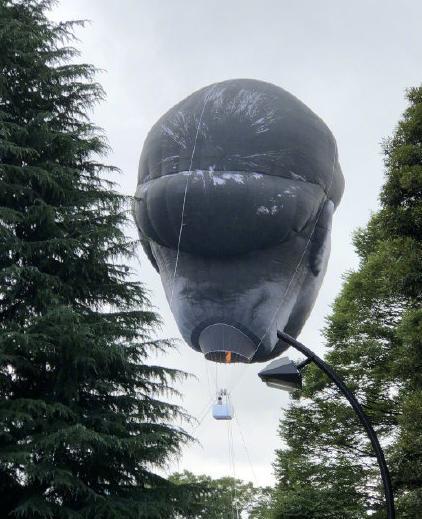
column 285, row 374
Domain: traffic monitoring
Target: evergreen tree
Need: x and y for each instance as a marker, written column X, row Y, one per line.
column 374, row 339
column 83, row 429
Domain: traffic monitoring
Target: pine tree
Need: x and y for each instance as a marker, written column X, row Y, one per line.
column 374, row 338
column 83, row 428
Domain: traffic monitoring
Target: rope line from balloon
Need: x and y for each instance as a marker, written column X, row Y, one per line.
column 232, row 465
column 209, row 378
column 304, row 250
column 230, row 469
column 185, row 196
column 283, row 297
column 246, row 450
column 203, row 414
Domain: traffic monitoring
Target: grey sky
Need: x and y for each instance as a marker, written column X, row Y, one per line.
column 350, row 62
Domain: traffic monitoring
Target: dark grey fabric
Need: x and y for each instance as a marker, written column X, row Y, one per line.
column 256, row 175
column 246, row 125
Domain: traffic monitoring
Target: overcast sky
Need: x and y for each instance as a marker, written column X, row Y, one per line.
column 350, row 62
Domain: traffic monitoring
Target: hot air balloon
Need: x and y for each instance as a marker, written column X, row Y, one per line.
column 236, row 191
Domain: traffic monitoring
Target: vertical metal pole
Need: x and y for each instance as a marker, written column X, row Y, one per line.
column 330, row 372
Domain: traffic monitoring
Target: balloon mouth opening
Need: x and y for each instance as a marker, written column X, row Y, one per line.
column 226, row 343
column 226, row 357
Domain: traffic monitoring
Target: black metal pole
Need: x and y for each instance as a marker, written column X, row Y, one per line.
column 328, row 370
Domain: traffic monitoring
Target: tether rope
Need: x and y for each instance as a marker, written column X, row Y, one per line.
column 209, row 381
column 255, row 479
column 235, row 505
column 297, row 266
column 304, row 250
column 203, row 414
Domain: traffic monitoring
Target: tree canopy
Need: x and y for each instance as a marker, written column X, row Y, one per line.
column 222, row 498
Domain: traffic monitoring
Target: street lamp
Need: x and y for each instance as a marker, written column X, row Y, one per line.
column 285, row 374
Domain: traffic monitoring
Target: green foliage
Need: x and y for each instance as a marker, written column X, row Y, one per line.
column 374, row 340
column 83, row 428
column 222, row 498
column 316, row 488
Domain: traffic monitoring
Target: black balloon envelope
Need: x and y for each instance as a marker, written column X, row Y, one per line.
column 236, row 191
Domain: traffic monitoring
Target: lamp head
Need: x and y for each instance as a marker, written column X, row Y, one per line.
column 282, row 374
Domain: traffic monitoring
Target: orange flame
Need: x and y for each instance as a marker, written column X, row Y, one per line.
column 228, row 357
